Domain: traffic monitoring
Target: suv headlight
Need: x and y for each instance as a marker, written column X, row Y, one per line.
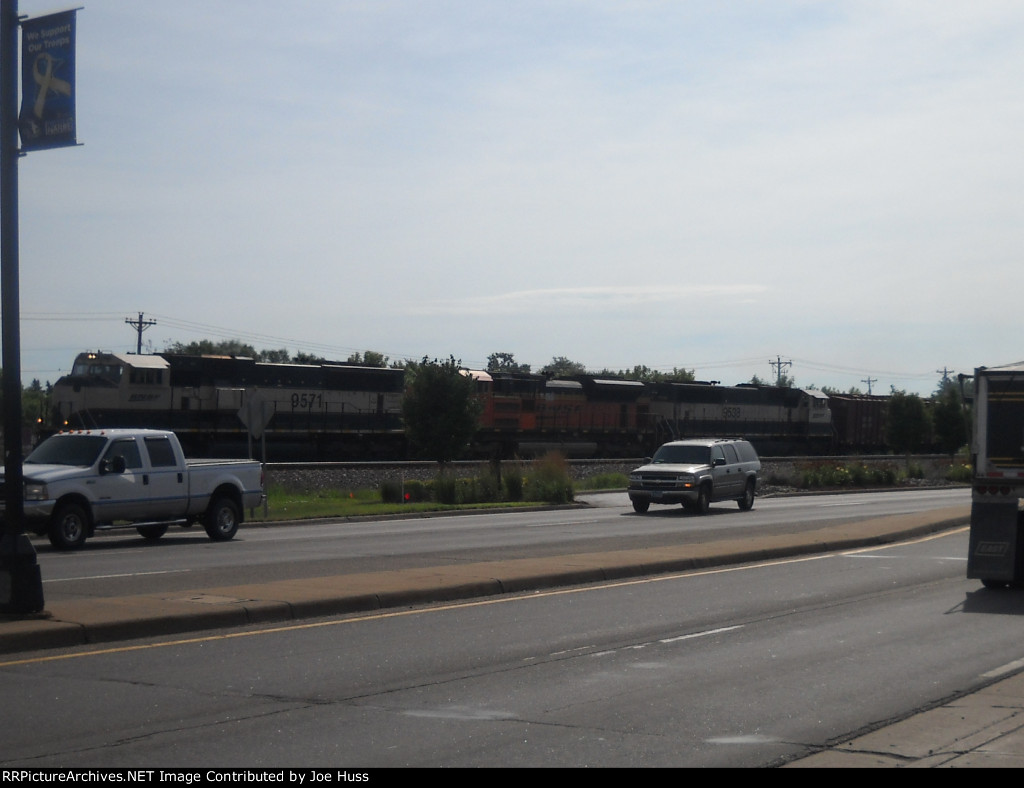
column 685, row 479
column 35, row 491
column 635, row 477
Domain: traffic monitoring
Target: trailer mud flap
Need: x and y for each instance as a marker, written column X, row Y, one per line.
column 996, row 551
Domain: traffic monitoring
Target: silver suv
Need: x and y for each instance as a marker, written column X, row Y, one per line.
column 695, row 473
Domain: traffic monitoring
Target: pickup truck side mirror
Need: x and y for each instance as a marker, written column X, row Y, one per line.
column 113, row 465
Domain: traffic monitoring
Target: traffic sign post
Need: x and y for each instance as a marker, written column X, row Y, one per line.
column 255, row 414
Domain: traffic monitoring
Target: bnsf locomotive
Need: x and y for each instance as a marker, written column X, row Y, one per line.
column 334, row 411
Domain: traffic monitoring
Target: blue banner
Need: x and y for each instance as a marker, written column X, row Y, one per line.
column 47, row 118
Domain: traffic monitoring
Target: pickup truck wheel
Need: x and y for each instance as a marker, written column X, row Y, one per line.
column 747, row 501
column 151, row 532
column 69, row 526
column 221, row 521
column 641, row 506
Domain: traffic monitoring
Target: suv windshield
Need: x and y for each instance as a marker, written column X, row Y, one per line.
column 682, row 455
column 67, row 450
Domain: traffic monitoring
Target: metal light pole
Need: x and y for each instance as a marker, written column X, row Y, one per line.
column 21, row 585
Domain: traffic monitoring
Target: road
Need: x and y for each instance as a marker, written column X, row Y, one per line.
column 123, row 563
column 739, row 666
column 744, row 666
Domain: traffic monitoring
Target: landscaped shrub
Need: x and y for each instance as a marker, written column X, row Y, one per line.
column 549, row 479
column 512, row 481
column 960, row 472
column 446, row 489
column 391, row 491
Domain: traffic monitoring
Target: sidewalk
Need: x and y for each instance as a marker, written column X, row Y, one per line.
column 982, row 729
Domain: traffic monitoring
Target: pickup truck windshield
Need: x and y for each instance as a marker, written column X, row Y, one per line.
column 67, row 450
column 682, row 455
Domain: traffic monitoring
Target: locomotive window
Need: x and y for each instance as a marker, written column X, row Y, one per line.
column 152, row 377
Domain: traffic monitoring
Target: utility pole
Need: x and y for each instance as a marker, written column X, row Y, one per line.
column 869, row 381
column 778, row 365
column 945, row 374
column 139, row 325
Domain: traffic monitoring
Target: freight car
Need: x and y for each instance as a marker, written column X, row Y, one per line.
column 858, row 423
column 330, row 411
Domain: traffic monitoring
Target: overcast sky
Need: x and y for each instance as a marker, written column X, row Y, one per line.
column 708, row 185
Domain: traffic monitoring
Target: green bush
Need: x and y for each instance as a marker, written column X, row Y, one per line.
column 391, row 491
column 446, row 489
column 960, row 472
column 513, row 482
column 825, row 474
column 549, row 479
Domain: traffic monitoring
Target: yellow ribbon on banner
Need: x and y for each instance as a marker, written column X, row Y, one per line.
column 46, row 81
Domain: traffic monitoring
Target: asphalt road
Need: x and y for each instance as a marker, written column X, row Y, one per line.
column 122, row 563
column 734, row 666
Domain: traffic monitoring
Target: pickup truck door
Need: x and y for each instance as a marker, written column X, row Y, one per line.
column 119, row 494
column 166, row 487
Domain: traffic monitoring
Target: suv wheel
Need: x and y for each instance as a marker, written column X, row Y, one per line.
column 703, row 500
column 747, row 501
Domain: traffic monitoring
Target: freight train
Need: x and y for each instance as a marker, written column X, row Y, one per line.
column 330, row 411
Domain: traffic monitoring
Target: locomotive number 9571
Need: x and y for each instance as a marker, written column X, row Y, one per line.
column 307, row 400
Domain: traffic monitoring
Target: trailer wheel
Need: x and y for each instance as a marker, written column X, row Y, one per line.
column 69, row 526
column 151, row 532
column 995, row 584
column 222, row 518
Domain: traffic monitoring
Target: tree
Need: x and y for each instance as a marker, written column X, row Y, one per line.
column 440, row 409
column 561, row 367
column 908, row 426
column 206, row 347
column 281, row 356
column 951, row 430
column 368, row 359
column 506, row 362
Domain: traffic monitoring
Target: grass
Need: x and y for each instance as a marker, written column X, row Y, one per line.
column 285, row 504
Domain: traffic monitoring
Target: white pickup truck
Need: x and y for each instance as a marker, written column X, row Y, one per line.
column 76, row 482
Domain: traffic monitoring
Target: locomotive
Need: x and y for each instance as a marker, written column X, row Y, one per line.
column 332, row 411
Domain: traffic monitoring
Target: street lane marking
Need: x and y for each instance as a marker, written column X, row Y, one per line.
column 1002, row 670
column 705, row 633
column 124, row 574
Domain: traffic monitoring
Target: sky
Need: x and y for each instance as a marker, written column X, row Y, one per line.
column 709, row 185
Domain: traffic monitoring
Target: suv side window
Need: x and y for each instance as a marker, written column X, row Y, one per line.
column 730, row 454
column 716, row 454
column 746, row 452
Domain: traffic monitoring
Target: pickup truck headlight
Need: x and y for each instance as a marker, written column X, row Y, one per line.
column 35, row 491
column 635, row 477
